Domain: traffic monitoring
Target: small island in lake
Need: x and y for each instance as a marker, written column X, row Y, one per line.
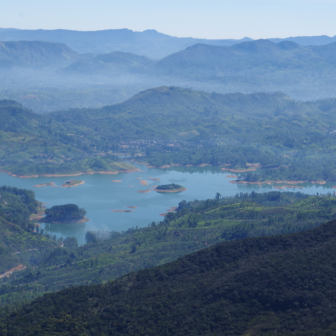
column 49, row 184
column 170, row 188
column 68, row 213
column 72, row 183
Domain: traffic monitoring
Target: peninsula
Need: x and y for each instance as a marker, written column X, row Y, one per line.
column 170, row 188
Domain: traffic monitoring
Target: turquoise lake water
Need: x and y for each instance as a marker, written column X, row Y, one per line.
column 99, row 195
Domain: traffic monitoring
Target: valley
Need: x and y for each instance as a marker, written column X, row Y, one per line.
column 161, row 185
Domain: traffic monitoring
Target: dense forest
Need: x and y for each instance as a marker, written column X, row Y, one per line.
column 170, row 125
column 194, row 226
column 282, row 284
column 31, row 144
column 18, row 233
column 64, row 213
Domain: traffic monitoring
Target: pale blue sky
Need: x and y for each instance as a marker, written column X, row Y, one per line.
column 195, row 18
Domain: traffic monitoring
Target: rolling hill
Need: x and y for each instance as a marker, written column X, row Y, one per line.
column 32, row 143
column 266, row 128
column 270, row 129
column 258, row 286
column 170, row 112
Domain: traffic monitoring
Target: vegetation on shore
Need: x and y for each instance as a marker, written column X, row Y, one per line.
column 18, row 233
column 194, row 226
column 35, row 144
column 291, row 140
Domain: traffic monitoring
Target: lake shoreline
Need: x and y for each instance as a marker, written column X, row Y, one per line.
column 292, row 183
column 72, row 174
column 64, row 185
column 170, row 191
column 77, row 221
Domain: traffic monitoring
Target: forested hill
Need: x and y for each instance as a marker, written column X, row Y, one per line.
column 172, row 112
column 194, row 226
column 257, row 286
column 270, row 129
column 32, row 143
column 17, row 231
column 35, row 54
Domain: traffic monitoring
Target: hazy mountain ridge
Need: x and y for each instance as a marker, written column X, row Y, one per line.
column 304, row 73
column 148, row 43
column 35, row 54
column 260, row 56
column 114, row 63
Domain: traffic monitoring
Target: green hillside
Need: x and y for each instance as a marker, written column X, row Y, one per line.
column 17, row 231
column 170, row 112
column 220, row 129
column 256, row 286
column 195, row 226
column 35, row 144
column 171, row 125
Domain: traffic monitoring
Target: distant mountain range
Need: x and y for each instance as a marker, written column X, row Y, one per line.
column 94, row 80
column 262, row 56
column 148, row 43
column 246, row 58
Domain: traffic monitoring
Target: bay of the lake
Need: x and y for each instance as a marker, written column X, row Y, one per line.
column 99, row 195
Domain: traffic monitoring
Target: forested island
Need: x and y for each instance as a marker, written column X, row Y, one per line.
column 170, row 188
column 68, row 213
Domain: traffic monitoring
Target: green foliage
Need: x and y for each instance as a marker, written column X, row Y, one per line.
column 36, row 144
column 188, row 127
column 171, row 186
column 64, row 213
column 17, row 234
column 256, row 286
column 194, row 226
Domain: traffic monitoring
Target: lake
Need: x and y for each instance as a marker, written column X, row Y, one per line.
column 99, row 195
